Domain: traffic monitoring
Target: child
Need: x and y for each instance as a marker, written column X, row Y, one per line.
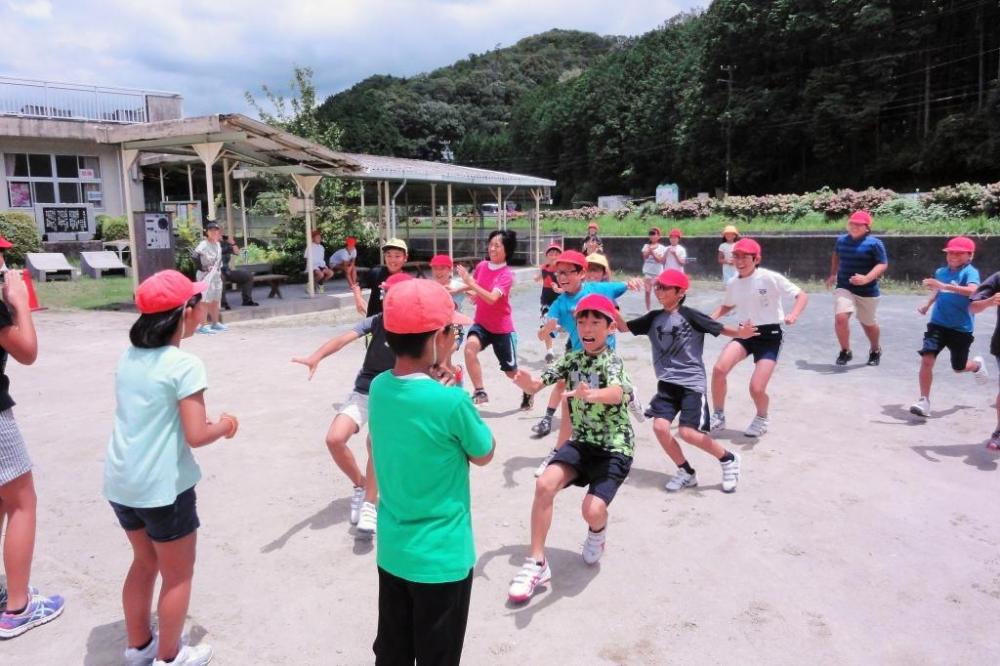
column 441, row 269
column 987, row 296
column 755, row 294
column 315, row 255
column 394, row 254
column 550, row 292
column 729, row 237
column 653, row 256
column 353, row 412
column 208, row 258
column 424, row 435
column 592, row 242
column 598, row 268
column 23, row 607
column 598, row 455
column 951, row 322
column 677, row 338
column 149, row 472
column 345, row 261
column 676, row 255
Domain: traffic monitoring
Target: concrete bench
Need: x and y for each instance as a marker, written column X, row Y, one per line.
column 95, row 264
column 42, row 265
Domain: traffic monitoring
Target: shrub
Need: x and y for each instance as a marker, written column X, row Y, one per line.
column 908, row 209
column 963, row 198
column 21, row 230
column 687, row 209
column 111, row 228
column 991, row 200
column 844, row 202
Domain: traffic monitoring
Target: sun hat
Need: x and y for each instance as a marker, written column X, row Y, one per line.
column 4, row 243
column 441, row 260
column 960, row 244
column 747, row 246
column 596, row 303
column 860, row 217
column 675, row 232
column 165, row 291
column 730, row 229
column 600, row 260
column 419, row 306
column 395, row 244
column 212, row 225
column 673, row 278
column 572, row 257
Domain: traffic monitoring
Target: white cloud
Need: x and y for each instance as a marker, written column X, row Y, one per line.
column 37, row 9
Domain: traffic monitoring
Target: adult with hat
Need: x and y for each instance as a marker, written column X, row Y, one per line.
column 394, row 253
column 654, row 254
column 859, row 260
column 345, row 260
column 208, row 259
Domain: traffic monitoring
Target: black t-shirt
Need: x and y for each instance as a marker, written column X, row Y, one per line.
column 987, row 288
column 373, row 280
column 379, row 356
column 5, row 401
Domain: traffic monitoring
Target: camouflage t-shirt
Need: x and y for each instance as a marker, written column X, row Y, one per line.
column 605, row 426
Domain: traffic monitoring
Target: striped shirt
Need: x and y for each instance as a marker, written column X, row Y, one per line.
column 859, row 257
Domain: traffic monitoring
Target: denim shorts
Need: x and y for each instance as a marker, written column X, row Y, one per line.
column 162, row 523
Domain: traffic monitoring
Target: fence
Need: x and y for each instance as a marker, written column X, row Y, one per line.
column 70, row 101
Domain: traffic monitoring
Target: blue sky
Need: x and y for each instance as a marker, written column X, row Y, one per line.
column 211, row 54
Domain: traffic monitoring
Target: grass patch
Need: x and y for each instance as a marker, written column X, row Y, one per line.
column 85, row 293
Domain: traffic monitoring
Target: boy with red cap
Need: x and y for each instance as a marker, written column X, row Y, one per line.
column 951, row 320
column 677, row 339
column 676, row 255
column 859, row 260
column 598, row 455
column 755, row 294
column 424, row 435
column 345, row 260
column 550, row 292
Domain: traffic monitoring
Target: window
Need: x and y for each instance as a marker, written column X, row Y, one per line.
column 36, row 178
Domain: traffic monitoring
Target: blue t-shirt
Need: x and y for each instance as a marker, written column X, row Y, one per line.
column 952, row 310
column 149, row 462
column 859, row 257
column 562, row 308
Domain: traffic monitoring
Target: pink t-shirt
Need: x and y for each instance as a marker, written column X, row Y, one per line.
column 494, row 318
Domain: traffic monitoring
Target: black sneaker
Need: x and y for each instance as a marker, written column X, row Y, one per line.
column 527, row 400
column 875, row 356
column 479, row 397
column 844, row 356
column 543, row 427
column 250, row 304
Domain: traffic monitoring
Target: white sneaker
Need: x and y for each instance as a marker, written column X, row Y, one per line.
column 206, row 330
column 921, row 407
column 681, row 479
column 593, row 547
column 757, row 427
column 731, row 474
column 357, row 498
column 545, row 463
column 144, row 657
column 527, row 579
column 368, row 518
column 982, row 375
column 190, row 655
column 219, row 327
column 635, row 406
column 718, row 421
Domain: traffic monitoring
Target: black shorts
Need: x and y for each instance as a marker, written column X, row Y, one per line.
column 767, row 345
column 671, row 399
column 162, row 523
column 504, row 345
column 603, row 471
column 939, row 337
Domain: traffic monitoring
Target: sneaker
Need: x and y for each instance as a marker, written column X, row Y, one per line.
column 681, row 479
column 718, row 421
column 190, row 655
column 368, row 518
column 219, row 327
column 874, row 356
column 321, row 288
column 479, row 397
column 593, row 547
column 844, row 356
column 757, row 427
column 32, row 591
column 549, row 357
column 545, row 463
column 357, row 499
column 635, row 407
column 921, row 407
column 206, row 330
column 543, row 427
column 994, row 443
column 730, row 474
column 144, row 657
column 251, row 304
column 981, row 375
column 527, row 400
column 41, row 609
column 531, row 575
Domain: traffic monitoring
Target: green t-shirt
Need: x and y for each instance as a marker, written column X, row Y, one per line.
column 422, row 436
column 604, row 426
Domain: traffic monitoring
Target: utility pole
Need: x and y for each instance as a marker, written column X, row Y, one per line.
column 728, row 69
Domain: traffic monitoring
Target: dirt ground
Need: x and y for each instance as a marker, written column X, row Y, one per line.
column 858, row 534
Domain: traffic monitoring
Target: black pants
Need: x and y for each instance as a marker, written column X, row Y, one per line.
column 421, row 621
column 245, row 281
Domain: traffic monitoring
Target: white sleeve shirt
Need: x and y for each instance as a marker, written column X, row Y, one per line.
column 757, row 298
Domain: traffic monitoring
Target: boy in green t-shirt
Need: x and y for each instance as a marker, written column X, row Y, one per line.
column 598, row 454
column 424, row 435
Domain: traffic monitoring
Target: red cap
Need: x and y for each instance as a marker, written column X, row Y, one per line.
column 861, row 217
column 673, row 278
column 592, row 225
column 396, row 278
column 572, row 257
column 419, row 306
column 165, row 291
column 4, row 243
column 747, row 246
column 597, row 303
column 960, row 244
column 351, row 241
column 554, row 246
column 674, row 232
column 442, row 260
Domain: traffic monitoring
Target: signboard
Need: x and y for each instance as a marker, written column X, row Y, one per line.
column 65, row 220
column 667, row 193
column 154, row 242
column 158, row 231
column 95, row 196
column 87, row 174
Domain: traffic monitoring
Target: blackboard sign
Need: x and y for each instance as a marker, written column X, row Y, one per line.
column 65, row 220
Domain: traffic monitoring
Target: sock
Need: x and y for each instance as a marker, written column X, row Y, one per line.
column 550, row 411
column 146, row 644
column 600, row 531
column 729, row 457
column 719, row 412
column 686, row 467
column 17, row 611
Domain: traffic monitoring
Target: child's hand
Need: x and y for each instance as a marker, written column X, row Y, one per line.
column 234, row 424
column 932, row 284
column 15, row 292
column 581, row 392
column 463, row 274
column 923, row 308
column 746, row 329
column 310, row 362
column 858, row 279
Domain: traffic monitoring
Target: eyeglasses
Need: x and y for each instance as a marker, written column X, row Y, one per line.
column 564, row 273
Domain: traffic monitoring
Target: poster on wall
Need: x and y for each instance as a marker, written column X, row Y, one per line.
column 65, row 220
column 20, row 195
column 158, row 231
column 87, row 174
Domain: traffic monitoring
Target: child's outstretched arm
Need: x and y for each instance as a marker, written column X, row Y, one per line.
column 359, row 302
column 746, row 329
column 927, row 306
column 801, row 299
column 329, row 347
column 527, row 383
column 19, row 339
column 722, row 311
column 611, row 395
column 198, row 430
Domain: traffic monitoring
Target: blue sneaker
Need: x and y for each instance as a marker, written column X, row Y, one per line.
column 41, row 609
column 219, row 327
column 205, row 330
column 32, row 591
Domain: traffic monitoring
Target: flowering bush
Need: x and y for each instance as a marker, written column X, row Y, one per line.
column 687, row 209
column 991, row 199
column 912, row 210
column 844, row 202
column 963, row 198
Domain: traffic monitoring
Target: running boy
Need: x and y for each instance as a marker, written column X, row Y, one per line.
column 988, row 296
column 755, row 294
column 951, row 320
column 599, row 453
column 677, row 338
column 424, row 435
column 550, row 291
column 353, row 412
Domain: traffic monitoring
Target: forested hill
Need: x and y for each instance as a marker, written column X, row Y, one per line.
column 465, row 106
column 894, row 93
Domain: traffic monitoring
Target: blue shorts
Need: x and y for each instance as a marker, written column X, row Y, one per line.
column 603, row 471
column 162, row 523
column 504, row 345
column 767, row 345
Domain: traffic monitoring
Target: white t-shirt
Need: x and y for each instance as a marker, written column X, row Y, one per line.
column 678, row 252
column 317, row 252
column 727, row 250
column 758, row 296
column 653, row 264
column 342, row 256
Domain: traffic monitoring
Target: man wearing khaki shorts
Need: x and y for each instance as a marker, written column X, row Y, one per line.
column 859, row 260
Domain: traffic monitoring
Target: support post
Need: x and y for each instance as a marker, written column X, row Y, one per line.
column 190, row 184
column 390, row 232
column 500, row 208
column 128, row 158
column 536, row 194
column 434, row 229
column 307, row 185
column 228, row 188
column 243, row 212
column 209, row 152
column 361, row 210
column 163, row 195
column 451, row 224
